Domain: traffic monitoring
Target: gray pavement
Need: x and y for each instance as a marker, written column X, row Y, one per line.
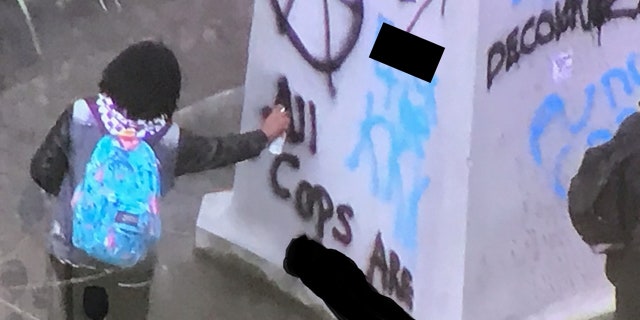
column 78, row 39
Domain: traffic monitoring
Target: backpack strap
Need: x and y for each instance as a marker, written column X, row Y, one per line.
column 94, row 109
column 152, row 140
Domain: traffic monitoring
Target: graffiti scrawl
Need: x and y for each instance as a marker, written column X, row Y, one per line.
column 550, row 25
column 330, row 63
column 552, row 111
column 421, row 9
column 407, row 133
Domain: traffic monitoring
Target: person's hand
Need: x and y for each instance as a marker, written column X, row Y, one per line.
column 276, row 123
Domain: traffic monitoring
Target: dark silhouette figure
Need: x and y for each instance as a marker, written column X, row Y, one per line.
column 339, row 282
column 604, row 204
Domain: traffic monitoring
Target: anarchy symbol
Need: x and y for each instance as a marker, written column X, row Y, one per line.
column 329, row 63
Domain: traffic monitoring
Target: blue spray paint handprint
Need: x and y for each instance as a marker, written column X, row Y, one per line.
column 407, row 133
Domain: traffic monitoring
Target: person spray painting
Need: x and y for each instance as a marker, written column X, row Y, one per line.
column 109, row 160
column 604, row 206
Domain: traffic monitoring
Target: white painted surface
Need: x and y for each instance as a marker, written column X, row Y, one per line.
column 562, row 66
column 523, row 254
column 493, row 240
column 263, row 223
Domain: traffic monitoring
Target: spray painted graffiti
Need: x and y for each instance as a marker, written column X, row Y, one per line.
column 421, row 9
column 314, row 203
column 310, row 201
column 297, row 127
column 401, row 287
column 550, row 25
column 331, row 62
column 407, row 133
column 583, row 134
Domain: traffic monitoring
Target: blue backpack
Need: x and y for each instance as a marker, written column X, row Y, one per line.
column 115, row 206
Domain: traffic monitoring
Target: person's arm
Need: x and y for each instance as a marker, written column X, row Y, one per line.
column 49, row 164
column 197, row 153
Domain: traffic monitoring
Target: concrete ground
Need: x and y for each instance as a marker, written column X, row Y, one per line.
column 78, row 38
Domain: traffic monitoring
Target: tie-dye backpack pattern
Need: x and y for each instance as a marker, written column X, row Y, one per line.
column 115, row 205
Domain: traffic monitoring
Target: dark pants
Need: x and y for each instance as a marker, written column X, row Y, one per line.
column 623, row 270
column 83, row 291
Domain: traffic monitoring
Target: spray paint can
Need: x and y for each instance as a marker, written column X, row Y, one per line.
column 277, row 145
column 283, row 98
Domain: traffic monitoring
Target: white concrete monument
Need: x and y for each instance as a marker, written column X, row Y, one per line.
column 431, row 188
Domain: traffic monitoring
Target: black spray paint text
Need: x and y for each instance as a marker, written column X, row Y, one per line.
column 296, row 133
column 312, row 201
column 550, row 25
column 394, row 281
column 331, row 61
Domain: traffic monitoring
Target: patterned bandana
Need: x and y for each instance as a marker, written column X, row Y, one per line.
column 116, row 122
